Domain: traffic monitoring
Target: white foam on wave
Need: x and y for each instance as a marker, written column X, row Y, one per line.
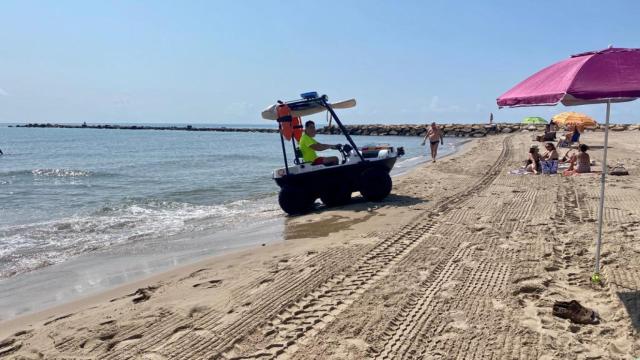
column 27, row 247
column 61, row 172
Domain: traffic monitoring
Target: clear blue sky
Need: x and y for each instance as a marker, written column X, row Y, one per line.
column 224, row 61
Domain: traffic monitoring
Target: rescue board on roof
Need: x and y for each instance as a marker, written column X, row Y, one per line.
column 271, row 113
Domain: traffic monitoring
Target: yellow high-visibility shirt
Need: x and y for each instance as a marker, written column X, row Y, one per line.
column 308, row 154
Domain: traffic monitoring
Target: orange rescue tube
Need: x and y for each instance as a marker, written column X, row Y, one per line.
column 298, row 129
column 285, row 120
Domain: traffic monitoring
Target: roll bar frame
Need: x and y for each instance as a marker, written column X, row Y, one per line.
column 321, row 100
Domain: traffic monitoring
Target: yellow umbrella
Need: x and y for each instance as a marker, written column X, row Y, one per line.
column 571, row 118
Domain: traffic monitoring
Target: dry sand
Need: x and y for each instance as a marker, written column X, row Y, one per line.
column 463, row 262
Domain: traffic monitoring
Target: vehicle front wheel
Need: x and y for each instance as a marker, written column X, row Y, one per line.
column 337, row 195
column 375, row 184
column 295, row 200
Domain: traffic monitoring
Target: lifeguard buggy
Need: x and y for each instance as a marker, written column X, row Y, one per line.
column 360, row 169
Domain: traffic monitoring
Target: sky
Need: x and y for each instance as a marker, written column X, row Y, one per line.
column 197, row 62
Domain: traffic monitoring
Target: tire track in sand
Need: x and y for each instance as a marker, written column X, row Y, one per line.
column 305, row 317
column 180, row 335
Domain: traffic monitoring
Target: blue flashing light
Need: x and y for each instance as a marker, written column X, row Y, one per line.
column 309, row 95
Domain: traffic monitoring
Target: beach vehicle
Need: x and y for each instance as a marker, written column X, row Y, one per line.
column 363, row 169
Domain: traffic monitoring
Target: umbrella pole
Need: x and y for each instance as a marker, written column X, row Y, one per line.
column 596, row 275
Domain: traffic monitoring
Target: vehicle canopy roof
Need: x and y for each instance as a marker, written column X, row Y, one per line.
column 305, row 107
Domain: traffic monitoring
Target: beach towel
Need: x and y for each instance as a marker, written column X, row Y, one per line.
column 519, row 171
column 549, row 166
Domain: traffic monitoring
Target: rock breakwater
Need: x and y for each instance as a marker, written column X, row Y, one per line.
column 460, row 130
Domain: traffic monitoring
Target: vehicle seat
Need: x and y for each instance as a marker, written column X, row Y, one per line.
column 299, row 159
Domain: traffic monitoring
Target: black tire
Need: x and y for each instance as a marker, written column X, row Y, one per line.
column 336, row 195
column 375, row 184
column 295, row 200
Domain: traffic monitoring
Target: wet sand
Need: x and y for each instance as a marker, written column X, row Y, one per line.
column 463, row 261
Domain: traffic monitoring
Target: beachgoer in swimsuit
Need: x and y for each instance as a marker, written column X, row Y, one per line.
column 533, row 162
column 434, row 134
column 580, row 162
column 551, row 154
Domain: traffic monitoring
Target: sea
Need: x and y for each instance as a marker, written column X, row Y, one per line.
column 75, row 201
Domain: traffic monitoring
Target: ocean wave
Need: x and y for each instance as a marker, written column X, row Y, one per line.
column 61, row 172
column 28, row 247
column 51, row 173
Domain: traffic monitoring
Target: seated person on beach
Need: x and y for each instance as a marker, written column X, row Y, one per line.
column 580, row 162
column 551, row 153
column 570, row 137
column 309, row 146
column 533, row 162
column 567, row 156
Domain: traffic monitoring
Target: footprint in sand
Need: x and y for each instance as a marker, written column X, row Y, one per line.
column 116, row 345
column 208, row 284
column 57, row 319
column 14, row 343
column 93, row 343
column 195, row 273
column 8, row 346
column 551, row 268
column 177, row 333
column 143, row 294
column 530, row 285
column 197, row 311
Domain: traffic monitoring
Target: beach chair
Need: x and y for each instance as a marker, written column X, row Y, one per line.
column 549, row 167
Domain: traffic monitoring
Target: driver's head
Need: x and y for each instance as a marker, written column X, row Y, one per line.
column 310, row 128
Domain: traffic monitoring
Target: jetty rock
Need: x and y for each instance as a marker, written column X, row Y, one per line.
column 458, row 130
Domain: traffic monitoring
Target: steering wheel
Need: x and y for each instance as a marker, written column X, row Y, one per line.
column 344, row 151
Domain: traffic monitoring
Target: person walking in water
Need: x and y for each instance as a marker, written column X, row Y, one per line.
column 434, row 134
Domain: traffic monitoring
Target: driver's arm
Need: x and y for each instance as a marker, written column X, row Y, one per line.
column 321, row 147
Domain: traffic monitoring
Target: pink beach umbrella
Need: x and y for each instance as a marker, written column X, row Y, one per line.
column 605, row 76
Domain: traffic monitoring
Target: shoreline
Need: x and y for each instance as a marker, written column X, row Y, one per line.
column 108, row 269
column 459, row 252
column 93, row 273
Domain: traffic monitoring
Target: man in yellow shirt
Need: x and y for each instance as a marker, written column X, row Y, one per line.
column 309, row 146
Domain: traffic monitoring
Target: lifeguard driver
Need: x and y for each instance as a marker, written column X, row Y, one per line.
column 309, row 146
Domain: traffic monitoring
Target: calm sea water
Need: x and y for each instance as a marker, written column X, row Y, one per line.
column 67, row 192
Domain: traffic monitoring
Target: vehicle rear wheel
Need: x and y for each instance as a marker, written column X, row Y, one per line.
column 295, row 200
column 339, row 194
column 375, row 184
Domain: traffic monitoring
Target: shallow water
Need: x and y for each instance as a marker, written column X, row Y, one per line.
column 65, row 193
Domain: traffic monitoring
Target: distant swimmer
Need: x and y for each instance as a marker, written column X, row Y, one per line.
column 1, row 153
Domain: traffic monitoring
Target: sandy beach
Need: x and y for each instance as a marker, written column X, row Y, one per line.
column 462, row 261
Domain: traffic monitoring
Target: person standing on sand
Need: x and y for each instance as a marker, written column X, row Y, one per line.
column 434, row 134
